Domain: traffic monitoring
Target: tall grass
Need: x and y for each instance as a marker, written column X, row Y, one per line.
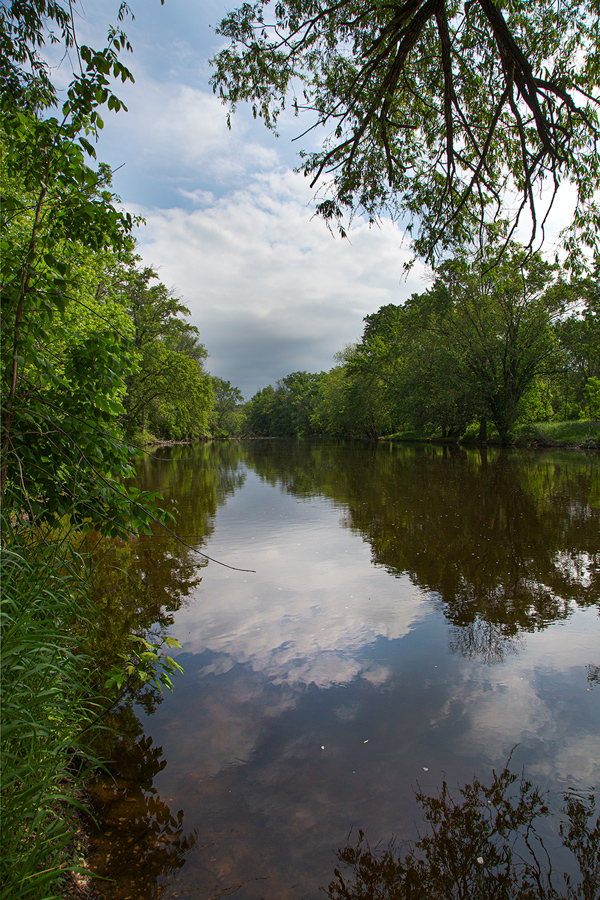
column 46, row 707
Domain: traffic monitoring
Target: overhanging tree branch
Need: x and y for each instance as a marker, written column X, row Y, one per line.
column 438, row 109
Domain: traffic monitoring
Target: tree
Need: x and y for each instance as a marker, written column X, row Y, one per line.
column 469, row 348
column 592, row 399
column 227, row 413
column 259, row 412
column 369, row 389
column 436, row 110
column 579, row 342
column 287, row 408
column 496, row 322
column 333, row 413
column 66, row 353
column 298, row 395
column 412, row 374
column 169, row 390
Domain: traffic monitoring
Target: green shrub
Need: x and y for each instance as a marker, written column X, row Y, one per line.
column 55, row 696
column 529, row 433
column 592, row 399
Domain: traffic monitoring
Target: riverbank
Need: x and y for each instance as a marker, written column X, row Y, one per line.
column 539, row 435
column 67, row 660
column 50, row 703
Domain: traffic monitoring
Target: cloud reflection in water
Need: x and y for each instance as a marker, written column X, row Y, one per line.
column 310, row 610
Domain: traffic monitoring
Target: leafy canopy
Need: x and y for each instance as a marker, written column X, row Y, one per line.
column 66, row 354
column 437, row 111
column 169, row 389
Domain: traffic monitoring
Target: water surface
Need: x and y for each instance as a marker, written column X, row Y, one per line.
column 414, row 615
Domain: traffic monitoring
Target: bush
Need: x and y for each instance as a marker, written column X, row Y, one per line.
column 55, row 696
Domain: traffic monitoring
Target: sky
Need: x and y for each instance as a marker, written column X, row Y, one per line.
column 230, row 226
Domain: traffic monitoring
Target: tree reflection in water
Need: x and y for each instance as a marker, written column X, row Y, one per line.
column 507, row 543
column 136, row 841
column 139, row 585
column 483, row 844
column 484, row 640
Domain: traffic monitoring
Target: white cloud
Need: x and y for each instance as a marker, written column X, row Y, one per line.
column 269, row 287
column 229, row 224
column 232, row 230
column 174, row 140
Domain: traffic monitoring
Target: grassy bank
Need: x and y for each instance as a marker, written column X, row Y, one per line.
column 48, row 705
column 560, row 434
column 60, row 677
column 570, row 435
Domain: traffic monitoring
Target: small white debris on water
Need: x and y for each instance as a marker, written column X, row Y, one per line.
column 366, row 742
column 322, row 747
column 425, row 769
column 480, row 860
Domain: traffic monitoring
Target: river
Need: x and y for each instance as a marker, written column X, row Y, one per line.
column 416, row 615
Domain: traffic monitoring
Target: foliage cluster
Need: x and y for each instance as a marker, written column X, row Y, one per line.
column 47, row 705
column 60, row 682
column 168, row 392
column 83, row 333
column 485, row 350
column 227, row 417
column 452, row 116
column 285, row 409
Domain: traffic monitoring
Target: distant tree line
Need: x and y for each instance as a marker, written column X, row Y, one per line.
column 484, row 347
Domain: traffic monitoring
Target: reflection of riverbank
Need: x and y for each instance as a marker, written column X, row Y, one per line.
column 363, row 656
column 140, row 584
column 483, row 842
column 313, row 604
column 510, row 538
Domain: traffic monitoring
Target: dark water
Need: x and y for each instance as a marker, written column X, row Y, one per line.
column 415, row 614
